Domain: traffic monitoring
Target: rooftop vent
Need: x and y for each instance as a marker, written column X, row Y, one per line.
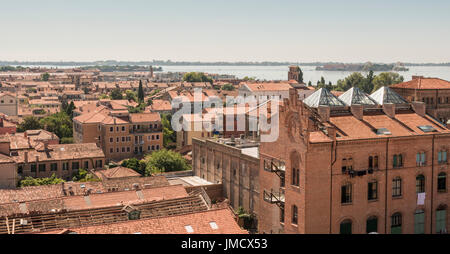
column 213, row 225
column 427, row 128
column 189, row 229
column 383, row 131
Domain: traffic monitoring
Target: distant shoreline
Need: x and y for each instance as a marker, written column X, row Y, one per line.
column 170, row 63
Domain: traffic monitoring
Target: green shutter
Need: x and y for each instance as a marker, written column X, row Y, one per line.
column 346, row 228
column 372, row 225
column 419, row 223
column 441, row 216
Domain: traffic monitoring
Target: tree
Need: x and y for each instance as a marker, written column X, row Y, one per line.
column 82, row 175
column 30, row 181
column 355, row 79
column 300, row 75
column 386, row 79
column 310, row 83
column 165, row 161
column 45, row 76
column 86, row 90
column 197, row 77
column 131, row 96
column 29, row 123
column 135, row 164
column 116, row 94
column 68, row 108
column 169, row 135
column 141, row 93
column 59, row 123
column 228, row 87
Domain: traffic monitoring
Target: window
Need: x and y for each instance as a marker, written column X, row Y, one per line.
column 346, row 227
column 419, row 222
column 157, row 147
column 111, row 150
column 65, row 166
column 128, row 149
column 346, row 193
column 347, row 164
column 75, row 165
column 86, row 164
column 420, row 184
column 398, row 161
column 33, row 167
column 396, row 223
column 282, row 214
column 19, row 169
column 111, row 129
column 123, row 139
column 442, row 182
column 372, row 191
column 442, row 157
column 373, row 162
column 123, row 128
column 54, row 167
column 42, row 167
column 397, row 187
column 117, row 150
column 294, row 215
column 372, row 225
column 123, row 149
column 157, row 137
column 99, row 164
column 420, row 159
column 111, row 140
column 296, row 177
column 213, row 225
column 441, row 220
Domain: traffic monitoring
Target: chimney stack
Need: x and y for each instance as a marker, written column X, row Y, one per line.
column 389, row 109
column 419, row 107
column 324, row 113
column 357, row 111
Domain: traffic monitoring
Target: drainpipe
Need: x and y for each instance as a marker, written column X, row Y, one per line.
column 432, row 184
column 334, row 149
column 386, row 188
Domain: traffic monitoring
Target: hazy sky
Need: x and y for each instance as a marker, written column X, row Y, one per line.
column 229, row 30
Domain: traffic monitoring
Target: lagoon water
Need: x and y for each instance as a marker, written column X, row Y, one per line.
column 309, row 72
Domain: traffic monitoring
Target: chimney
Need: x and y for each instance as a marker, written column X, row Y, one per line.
column 389, row 109
column 357, row 111
column 419, row 108
column 46, row 145
column 25, row 155
column 324, row 113
column 331, row 132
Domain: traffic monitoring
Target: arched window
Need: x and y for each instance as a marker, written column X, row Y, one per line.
column 420, row 184
column 397, row 187
column 295, row 165
column 441, row 219
column 372, row 225
column 346, row 193
column 294, row 215
column 346, row 227
column 419, row 222
column 372, row 190
column 442, row 182
column 396, row 223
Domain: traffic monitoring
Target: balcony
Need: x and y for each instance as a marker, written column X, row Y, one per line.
column 275, row 166
column 275, row 197
column 145, row 130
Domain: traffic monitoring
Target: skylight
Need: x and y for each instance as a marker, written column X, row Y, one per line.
column 189, row 229
column 383, row 131
column 427, row 128
column 213, row 225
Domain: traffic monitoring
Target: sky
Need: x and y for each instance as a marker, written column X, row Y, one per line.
column 229, row 30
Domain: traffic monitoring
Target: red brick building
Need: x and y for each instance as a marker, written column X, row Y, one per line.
column 355, row 164
column 434, row 92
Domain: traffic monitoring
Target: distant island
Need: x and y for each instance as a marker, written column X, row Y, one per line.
column 194, row 63
column 362, row 67
column 121, row 68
